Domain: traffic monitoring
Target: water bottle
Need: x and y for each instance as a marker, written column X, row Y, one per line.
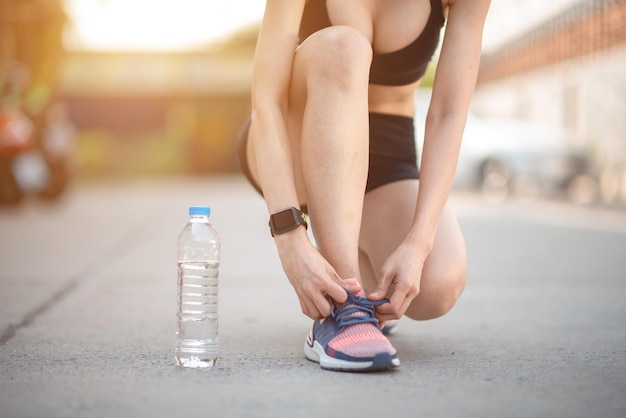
column 197, row 343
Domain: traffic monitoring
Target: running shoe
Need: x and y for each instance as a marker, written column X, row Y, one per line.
column 390, row 327
column 350, row 339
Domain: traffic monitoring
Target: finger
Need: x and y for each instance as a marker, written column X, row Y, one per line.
column 394, row 309
column 352, row 285
column 336, row 292
column 384, row 317
column 323, row 306
column 383, row 287
column 389, row 311
column 310, row 309
column 404, row 307
column 385, row 312
column 398, row 297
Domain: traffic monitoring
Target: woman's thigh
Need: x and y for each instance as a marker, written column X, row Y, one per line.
column 388, row 214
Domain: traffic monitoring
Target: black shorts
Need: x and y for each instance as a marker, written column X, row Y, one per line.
column 393, row 153
column 392, row 156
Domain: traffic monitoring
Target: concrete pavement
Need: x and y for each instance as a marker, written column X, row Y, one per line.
column 87, row 305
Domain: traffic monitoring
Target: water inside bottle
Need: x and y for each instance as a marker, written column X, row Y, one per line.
column 197, row 343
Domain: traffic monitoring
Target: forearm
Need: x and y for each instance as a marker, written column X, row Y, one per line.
column 273, row 61
column 438, row 165
column 455, row 80
column 273, row 159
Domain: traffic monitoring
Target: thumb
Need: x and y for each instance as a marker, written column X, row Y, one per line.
column 352, row 285
column 383, row 287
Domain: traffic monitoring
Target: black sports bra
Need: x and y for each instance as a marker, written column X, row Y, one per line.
column 395, row 68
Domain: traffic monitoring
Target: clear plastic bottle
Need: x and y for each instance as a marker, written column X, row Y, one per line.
column 197, row 342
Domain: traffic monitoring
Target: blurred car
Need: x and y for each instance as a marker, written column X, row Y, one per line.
column 506, row 157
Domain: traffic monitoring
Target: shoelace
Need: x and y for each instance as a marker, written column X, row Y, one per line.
column 356, row 304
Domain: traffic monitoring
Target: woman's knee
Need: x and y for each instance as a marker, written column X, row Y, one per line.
column 439, row 293
column 342, row 55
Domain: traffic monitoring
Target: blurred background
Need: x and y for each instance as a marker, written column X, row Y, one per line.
column 94, row 89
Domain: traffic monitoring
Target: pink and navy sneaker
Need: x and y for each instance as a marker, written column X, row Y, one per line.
column 390, row 327
column 350, row 339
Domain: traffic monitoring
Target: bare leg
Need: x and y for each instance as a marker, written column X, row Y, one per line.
column 328, row 127
column 387, row 216
column 335, row 143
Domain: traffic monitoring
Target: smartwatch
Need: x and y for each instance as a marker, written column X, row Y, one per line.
column 286, row 220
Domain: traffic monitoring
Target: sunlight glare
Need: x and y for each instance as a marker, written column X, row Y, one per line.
column 163, row 25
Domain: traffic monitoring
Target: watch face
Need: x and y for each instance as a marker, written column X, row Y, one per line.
column 284, row 219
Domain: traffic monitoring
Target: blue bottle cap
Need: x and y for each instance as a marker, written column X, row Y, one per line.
column 199, row 210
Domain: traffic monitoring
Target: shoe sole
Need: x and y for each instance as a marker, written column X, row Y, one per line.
column 380, row 362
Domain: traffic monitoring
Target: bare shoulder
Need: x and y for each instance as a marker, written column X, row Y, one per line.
column 284, row 4
column 479, row 5
column 475, row 3
column 472, row 12
column 282, row 16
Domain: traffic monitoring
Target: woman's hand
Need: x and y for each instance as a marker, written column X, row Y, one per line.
column 311, row 276
column 399, row 280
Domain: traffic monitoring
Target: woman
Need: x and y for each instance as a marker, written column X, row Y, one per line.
column 331, row 134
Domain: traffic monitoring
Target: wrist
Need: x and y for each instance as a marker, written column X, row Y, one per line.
column 422, row 239
column 287, row 220
column 292, row 239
